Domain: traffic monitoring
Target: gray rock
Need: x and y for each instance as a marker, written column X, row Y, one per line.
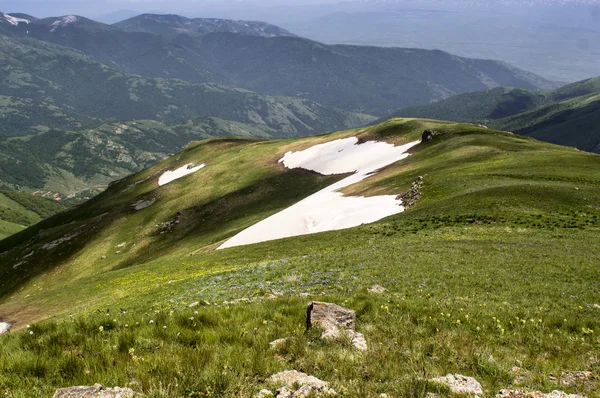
column 5, row 327
column 377, row 289
column 330, row 316
column 535, row 394
column 337, row 322
column 277, row 343
column 293, row 384
column 265, row 394
column 95, row 391
column 429, row 135
column 571, row 379
column 460, row 384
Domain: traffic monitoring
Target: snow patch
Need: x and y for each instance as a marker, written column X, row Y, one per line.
column 13, row 20
column 172, row 175
column 329, row 209
column 64, row 21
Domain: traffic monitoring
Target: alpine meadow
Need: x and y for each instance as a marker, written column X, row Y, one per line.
column 197, row 206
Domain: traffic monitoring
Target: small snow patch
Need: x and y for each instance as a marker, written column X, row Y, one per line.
column 64, row 21
column 13, row 20
column 172, row 175
column 329, row 209
column 57, row 242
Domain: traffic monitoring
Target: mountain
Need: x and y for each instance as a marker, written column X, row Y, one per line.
column 566, row 116
column 58, row 87
column 19, row 210
column 127, row 289
column 73, row 165
column 574, row 122
column 173, row 25
column 368, row 80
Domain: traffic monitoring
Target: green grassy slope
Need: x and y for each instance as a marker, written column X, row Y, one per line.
column 83, row 161
column 498, row 102
column 574, row 122
column 20, row 210
column 566, row 116
column 497, row 263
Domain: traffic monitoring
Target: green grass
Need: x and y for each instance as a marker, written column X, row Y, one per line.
column 495, row 267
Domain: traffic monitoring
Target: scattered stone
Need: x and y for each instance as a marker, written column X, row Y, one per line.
column 336, row 321
column 521, row 375
column 169, row 225
column 429, row 135
column 596, row 306
column 277, row 343
column 295, row 384
column 273, row 295
column 95, row 391
column 460, row 384
column 410, row 197
column 535, row 394
column 103, row 258
column 377, row 289
column 142, row 204
column 571, row 379
column 5, row 328
column 483, row 126
column 265, row 394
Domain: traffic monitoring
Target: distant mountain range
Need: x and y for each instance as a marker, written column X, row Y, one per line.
column 93, row 102
column 566, row 116
column 358, row 79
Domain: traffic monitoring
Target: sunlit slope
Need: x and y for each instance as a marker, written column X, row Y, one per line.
column 19, row 210
column 477, row 183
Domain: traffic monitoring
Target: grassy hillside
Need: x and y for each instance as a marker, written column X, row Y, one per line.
column 79, row 91
column 573, row 122
column 494, row 267
column 78, row 163
column 174, row 25
column 19, row 210
column 566, row 116
column 359, row 79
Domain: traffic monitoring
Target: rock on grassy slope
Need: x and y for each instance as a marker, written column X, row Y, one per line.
column 495, row 266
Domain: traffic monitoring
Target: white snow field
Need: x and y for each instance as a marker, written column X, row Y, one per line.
column 13, row 20
column 172, row 175
column 329, row 209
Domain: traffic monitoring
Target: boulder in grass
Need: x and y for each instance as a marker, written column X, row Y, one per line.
column 336, row 322
column 460, row 384
column 535, row 394
column 294, row 384
column 95, row 391
column 5, row 327
column 377, row 289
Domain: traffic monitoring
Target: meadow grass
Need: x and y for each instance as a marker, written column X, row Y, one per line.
column 495, row 267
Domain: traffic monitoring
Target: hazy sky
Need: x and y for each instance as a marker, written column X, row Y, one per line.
column 234, row 8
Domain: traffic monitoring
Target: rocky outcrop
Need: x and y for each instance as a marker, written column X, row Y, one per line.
column 5, row 327
column 377, row 289
column 294, row 384
column 410, row 197
column 535, row 394
column 460, row 384
column 95, row 391
column 337, row 322
column 429, row 135
column 277, row 343
column 571, row 379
